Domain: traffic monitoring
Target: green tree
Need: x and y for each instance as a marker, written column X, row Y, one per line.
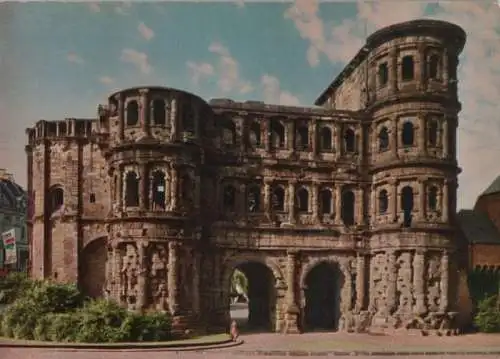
column 240, row 281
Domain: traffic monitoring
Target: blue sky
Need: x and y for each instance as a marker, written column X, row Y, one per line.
column 60, row 60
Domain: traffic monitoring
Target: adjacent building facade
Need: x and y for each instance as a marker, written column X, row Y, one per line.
column 13, row 214
column 342, row 216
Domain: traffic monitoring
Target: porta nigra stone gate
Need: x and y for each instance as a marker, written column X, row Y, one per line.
column 342, row 215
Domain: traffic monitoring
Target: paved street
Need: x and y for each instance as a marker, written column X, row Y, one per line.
column 50, row 354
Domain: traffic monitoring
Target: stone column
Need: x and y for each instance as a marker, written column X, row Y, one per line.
column 444, row 68
column 360, row 146
column 374, row 207
column 338, row 204
column 390, row 302
column 360, row 282
column 121, row 116
column 266, row 138
column 314, row 203
column 338, row 141
column 121, row 190
column 141, row 278
column 418, row 281
column 267, row 197
column 394, row 201
column 393, row 70
column 174, row 135
column 313, row 137
column 196, row 282
column 443, row 303
column 394, row 137
column 173, row 249
column 144, row 111
column 291, row 201
column 445, row 138
column 143, row 181
column 359, row 206
column 290, row 135
column 445, row 200
column 292, row 310
column 174, row 187
column 421, row 199
column 421, row 73
column 422, row 148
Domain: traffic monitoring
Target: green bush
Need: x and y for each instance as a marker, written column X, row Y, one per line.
column 14, row 286
column 487, row 318
column 148, row 327
column 59, row 312
column 20, row 319
column 102, row 321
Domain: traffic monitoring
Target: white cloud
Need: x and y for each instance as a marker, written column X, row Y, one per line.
column 273, row 93
column 198, row 71
column 106, row 80
column 240, row 3
column 479, row 75
column 94, row 7
column 136, row 58
column 74, row 58
column 123, row 8
column 228, row 71
column 145, row 31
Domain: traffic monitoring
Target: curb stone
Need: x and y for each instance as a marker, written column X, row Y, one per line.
column 132, row 347
column 301, row 353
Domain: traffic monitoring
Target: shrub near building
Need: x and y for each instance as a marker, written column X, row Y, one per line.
column 59, row 312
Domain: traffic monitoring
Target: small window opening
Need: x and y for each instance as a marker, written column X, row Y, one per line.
column 407, row 68
column 383, row 74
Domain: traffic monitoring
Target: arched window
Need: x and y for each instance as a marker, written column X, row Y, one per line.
column 407, row 205
column 347, row 212
column 277, row 135
column 278, row 199
column 349, row 141
column 253, row 199
column 383, row 74
column 432, row 198
column 325, row 201
column 302, row 200
column 325, row 138
column 56, row 196
column 433, row 133
column 132, row 113
column 302, row 141
column 408, row 136
column 131, row 190
column 158, row 190
column 383, row 139
column 254, row 134
column 229, row 133
column 433, row 68
column 229, row 198
column 407, row 68
column 383, row 201
column 159, row 114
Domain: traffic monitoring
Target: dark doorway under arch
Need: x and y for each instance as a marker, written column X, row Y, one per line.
column 259, row 311
column 322, row 295
column 92, row 276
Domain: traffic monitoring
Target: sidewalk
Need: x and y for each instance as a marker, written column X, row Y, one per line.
column 365, row 344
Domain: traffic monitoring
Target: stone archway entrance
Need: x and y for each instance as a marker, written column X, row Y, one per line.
column 92, row 276
column 322, row 297
column 257, row 310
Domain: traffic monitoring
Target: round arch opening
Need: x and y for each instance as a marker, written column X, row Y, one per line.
column 322, row 292
column 253, row 297
column 92, row 274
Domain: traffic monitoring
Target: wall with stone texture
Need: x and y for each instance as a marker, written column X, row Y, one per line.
column 349, row 95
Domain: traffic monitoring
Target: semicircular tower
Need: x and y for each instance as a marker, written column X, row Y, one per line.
column 154, row 154
column 413, row 102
